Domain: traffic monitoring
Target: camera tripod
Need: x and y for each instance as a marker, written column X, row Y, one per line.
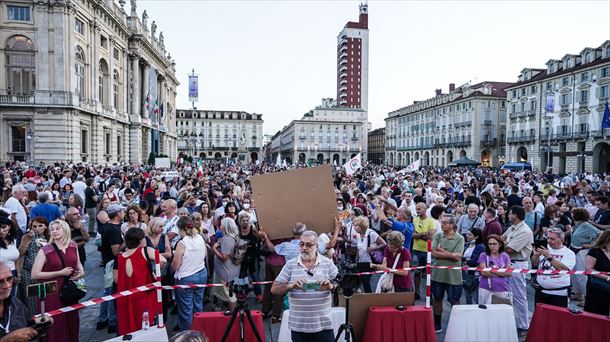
column 241, row 309
column 346, row 327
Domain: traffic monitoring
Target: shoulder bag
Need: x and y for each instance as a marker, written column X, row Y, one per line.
column 386, row 282
column 377, row 255
column 71, row 292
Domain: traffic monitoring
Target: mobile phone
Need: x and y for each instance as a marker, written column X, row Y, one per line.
column 42, row 327
column 311, row 286
column 540, row 243
column 41, row 290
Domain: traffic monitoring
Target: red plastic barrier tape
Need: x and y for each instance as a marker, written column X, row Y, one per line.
column 518, row 270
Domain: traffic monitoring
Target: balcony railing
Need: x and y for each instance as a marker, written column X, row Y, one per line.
column 521, row 139
column 16, row 99
column 489, row 142
column 486, row 122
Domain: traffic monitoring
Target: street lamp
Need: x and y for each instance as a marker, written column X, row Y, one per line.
column 30, row 139
column 548, row 146
column 581, row 159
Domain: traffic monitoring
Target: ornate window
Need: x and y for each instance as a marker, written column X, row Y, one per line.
column 103, row 82
column 115, row 89
column 20, row 65
column 79, row 67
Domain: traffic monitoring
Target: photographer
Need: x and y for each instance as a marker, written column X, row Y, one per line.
column 553, row 288
column 308, row 279
column 14, row 325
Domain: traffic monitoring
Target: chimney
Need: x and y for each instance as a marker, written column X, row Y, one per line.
column 438, row 92
column 451, row 87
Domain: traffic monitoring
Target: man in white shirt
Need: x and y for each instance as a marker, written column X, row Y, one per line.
column 67, row 179
column 18, row 214
column 79, row 186
column 553, row 287
column 407, row 203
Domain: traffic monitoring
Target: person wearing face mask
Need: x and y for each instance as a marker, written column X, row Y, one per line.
column 247, row 208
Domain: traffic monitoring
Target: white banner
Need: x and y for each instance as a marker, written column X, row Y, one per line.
column 353, row 165
column 411, row 167
column 169, row 175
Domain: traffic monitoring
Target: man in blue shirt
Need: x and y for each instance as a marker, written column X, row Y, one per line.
column 43, row 209
column 402, row 224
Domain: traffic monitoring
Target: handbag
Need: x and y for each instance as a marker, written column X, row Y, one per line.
column 600, row 284
column 72, row 291
column 376, row 256
column 386, row 282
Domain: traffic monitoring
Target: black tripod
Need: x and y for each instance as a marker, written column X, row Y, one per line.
column 346, row 327
column 241, row 309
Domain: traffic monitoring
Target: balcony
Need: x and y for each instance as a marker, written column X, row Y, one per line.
column 489, row 143
column 302, row 148
column 521, row 115
column 17, row 99
column 581, row 135
column 303, row 137
column 531, row 113
column 562, row 136
column 486, row 122
column 513, row 116
column 355, row 138
column 462, row 143
column 521, row 139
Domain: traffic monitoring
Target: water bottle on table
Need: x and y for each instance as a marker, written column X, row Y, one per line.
column 145, row 321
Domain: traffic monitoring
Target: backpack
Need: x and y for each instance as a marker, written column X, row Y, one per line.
column 239, row 251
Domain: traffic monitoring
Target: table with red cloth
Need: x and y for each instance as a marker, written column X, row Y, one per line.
column 213, row 324
column 552, row 323
column 386, row 323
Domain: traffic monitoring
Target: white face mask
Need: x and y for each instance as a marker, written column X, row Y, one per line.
column 246, row 205
column 340, row 208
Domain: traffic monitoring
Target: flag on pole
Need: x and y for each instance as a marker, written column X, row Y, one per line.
column 284, row 164
column 278, row 162
column 411, row 167
column 353, row 165
column 606, row 118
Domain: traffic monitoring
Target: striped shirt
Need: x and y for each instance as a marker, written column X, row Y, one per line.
column 310, row 311
column 289, row 250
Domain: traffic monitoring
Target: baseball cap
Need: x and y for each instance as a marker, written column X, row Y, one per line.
column 114, row 208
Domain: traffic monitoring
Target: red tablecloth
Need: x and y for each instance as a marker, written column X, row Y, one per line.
column 385, row 323
column 552, row 323
column 213, row 324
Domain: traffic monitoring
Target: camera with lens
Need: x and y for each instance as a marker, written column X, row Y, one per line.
column 346, row 277
column 241, row 287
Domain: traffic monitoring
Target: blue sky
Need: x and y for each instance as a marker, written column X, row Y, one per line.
column 278, row 58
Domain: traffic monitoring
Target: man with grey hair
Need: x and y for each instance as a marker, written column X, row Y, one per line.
column 553, row 288
column 17, row 207
column 472, row 220
column 290, row 250
column 309, row 280
column 44, row 209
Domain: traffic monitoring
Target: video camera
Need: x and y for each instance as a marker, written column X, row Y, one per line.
column 241, row 287
column 346, row 277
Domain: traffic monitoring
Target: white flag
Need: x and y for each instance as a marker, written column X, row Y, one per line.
column 284, row 164
column 353, row 165
column 278, row 162
column 411, row 167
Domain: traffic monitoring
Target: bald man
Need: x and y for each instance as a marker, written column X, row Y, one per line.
column 13, row 317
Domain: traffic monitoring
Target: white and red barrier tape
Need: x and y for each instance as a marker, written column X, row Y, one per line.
column 157, row 285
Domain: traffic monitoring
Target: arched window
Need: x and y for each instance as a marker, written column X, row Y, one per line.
column 79, row 66
column 103, row 82
column 20, row 65
column 115, row 89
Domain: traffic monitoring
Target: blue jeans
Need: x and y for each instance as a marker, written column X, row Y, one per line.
column 190, row 301
column 108, row 309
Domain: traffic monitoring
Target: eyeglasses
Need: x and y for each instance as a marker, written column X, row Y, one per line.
column 307, row 244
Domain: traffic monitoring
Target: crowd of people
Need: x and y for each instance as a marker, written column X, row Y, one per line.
column 202, row 227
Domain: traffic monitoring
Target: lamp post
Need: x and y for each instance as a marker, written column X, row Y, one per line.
column 581, row 158
column 30, row 138
column 548, row 144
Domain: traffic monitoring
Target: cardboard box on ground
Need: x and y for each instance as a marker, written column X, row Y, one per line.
column 302, row 195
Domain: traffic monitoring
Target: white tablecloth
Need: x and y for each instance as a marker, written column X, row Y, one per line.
column 152, row 334
column 470, row 323
column 338, row 318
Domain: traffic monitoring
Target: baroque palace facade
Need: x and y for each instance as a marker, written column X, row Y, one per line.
column 84, row 81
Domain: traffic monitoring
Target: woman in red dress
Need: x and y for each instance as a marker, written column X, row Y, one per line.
column 48, row 267
column 133, row 270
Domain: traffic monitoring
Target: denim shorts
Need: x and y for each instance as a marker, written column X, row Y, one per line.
column 419, row 259
column 454, row 292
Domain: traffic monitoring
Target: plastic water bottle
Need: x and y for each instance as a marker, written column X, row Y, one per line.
column 145, row 321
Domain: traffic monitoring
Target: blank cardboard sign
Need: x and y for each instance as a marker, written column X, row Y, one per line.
column 303, row 195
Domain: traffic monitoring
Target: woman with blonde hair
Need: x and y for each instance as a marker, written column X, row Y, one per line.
column 224, row 269
column 58, row 261
column 395, row 249
column 189, row 265
column 155, row 237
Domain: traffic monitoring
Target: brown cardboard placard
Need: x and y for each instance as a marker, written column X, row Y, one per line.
column 303, row 195
column 360, row 303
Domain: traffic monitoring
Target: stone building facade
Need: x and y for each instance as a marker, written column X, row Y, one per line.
column 84, row 81
column 212, row 134
column 376, row 146
column 555, row 113
column 467, row 122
